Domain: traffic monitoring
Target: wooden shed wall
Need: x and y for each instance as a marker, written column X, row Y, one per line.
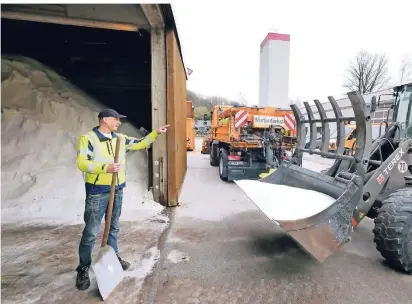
column 176, row 117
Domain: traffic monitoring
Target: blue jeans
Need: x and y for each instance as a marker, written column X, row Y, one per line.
column 96, row 205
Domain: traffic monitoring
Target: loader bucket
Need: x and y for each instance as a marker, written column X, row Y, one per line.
column 315, row 208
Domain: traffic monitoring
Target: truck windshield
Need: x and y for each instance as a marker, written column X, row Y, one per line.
column 404, row 111
column 334, row 133
column 347, row 130
column 375, row 131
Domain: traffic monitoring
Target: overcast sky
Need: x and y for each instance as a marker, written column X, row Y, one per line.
column 221, row 42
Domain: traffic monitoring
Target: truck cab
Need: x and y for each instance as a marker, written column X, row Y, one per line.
column 246, row 141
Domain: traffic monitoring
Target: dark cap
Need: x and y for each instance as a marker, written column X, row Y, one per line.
column 110, row 113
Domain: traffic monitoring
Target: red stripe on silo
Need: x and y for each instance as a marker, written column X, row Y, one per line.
column 275, row 36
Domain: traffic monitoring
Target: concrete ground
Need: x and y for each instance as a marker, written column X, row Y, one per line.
column 222, row 249
column 38, row 262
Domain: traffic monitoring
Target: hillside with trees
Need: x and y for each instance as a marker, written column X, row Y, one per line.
column 204, row 104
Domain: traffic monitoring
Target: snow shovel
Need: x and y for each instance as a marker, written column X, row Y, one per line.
column 106, row 265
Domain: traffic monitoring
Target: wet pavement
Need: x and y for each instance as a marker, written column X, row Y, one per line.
column 38, row 262
column 222, row 249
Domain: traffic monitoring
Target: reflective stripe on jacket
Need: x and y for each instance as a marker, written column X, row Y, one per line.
column 95, row 152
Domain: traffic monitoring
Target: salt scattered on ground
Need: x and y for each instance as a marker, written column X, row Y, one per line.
column 42, row 117
column 146, row 264
column 283, row 203
column 38, row 263
column 176, row 256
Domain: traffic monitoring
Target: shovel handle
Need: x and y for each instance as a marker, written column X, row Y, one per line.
column 108, row 220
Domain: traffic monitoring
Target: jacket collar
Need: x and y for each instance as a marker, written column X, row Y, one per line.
column 101, row 136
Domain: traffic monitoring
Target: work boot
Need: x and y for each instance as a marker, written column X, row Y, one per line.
column 83, row 280
column 125, row 265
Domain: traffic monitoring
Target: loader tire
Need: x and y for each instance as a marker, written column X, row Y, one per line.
column 393, row 230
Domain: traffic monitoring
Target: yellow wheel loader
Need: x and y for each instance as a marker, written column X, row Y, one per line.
column 321, row 209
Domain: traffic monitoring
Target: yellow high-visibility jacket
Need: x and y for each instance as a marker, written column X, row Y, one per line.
column 95, row 152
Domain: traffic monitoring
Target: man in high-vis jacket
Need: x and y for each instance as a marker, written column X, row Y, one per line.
column 95, row 157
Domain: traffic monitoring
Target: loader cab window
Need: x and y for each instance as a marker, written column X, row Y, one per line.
column 403, row 113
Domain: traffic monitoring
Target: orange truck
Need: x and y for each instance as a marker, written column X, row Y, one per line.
column 190, row 127
column 247, row 141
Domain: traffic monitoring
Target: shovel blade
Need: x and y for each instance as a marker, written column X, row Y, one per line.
column 315, row 209
column 108, row 271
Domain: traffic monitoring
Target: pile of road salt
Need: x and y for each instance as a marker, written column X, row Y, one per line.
column 42, row 117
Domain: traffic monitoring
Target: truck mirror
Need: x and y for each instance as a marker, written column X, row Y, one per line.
column 373, row 104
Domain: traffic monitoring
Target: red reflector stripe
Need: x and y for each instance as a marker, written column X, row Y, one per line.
column 233, row 157
column 354, row 223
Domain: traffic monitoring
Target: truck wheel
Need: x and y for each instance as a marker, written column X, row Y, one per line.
column 223, row 165
column 393, row 230
column 214, row 161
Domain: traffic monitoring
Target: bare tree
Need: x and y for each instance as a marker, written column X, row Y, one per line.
column 367, row 72
column 405, row 70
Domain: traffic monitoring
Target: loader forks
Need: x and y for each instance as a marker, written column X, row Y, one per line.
column 374, row 181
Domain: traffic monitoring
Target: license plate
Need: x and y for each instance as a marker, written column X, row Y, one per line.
column 235, row 163
column 235, row 171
